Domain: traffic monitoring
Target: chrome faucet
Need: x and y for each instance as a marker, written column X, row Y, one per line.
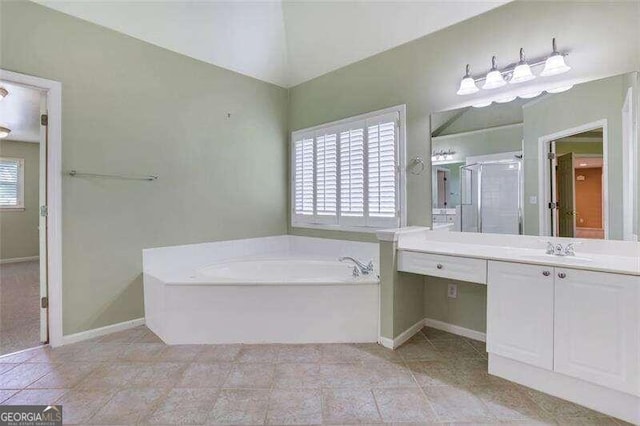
column 559, row 250
column 359, row 268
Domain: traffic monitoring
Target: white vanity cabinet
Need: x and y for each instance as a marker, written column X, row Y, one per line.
column 520, row 312
column 597, row 328
column 579, row 323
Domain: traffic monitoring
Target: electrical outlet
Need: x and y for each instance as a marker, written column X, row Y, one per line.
column 452, row 291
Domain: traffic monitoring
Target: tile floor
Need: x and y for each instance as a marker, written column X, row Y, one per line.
column 19, row 306
column 132, row 377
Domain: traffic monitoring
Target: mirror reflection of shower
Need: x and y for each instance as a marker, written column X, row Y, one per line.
column 491, row 196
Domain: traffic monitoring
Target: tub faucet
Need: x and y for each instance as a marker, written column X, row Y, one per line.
column 361, row 267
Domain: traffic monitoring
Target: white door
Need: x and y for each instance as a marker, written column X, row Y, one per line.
column 597, row 328
column 629, row 170
column 42, row 226
column 520, row 312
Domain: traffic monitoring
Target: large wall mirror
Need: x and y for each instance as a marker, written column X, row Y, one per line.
column 562, row 164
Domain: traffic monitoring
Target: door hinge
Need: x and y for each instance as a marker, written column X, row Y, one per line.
column 44, row 211
column 551, row 156
column 553, row 205
column 44, row 119
column 44, row 302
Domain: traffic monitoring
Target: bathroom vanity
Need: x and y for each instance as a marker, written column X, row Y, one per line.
column 565, row 325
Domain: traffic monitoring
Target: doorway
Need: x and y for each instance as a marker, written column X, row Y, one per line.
column 578, row 189
column 30, row 206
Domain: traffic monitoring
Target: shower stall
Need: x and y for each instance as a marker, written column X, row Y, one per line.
column 491, row 197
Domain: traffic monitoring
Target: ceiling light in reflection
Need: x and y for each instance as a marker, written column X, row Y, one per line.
column 482, row 104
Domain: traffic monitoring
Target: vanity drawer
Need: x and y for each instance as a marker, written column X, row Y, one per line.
column 454, row 267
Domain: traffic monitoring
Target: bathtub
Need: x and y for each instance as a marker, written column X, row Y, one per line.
column 283, row 289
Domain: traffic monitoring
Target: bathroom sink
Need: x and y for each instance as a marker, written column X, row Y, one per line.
column 554, row 258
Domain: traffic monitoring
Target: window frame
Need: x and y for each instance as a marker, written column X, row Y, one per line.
column 340, row 223
column 20, row 185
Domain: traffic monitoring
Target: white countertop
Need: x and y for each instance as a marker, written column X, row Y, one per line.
column 621, row 257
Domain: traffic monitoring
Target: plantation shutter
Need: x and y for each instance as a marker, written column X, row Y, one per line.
column 326, row 177
column 303, row 155
column 352, row 172
column 382, row 160
column 10, row 170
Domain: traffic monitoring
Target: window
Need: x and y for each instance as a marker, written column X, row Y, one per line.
column 350, row 174
column 11, row 183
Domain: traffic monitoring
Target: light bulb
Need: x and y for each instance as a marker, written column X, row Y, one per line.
column 482, row 104
column 467, row 84
column 529, row 95
column 494, row 77
column 522, row 71
column 4, row 132
column 554, row 64
column 505, row 99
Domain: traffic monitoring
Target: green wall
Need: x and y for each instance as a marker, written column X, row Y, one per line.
column 133, row 108
column 19, row 228
column 424, row 75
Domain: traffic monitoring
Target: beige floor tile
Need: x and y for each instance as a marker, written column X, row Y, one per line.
column 158, row 375
column 373, row 352
column 389, row 374
column 179, row 353
column 65, row 375
column 586, row 421
column 258, row 353
column 559, row 407
column 149, row 337
column 23, row 356
column 142, row 352
column 127, row 407
column 109, row 376
column 78, row 406
column 506, row 402
column 126, row 336
column 434, row 373
column 403, row 405
column 255, row 376
column 36, row 397
column 419, row 350
column 298, row 353
column 297, row 376
column 4, row 367
column 23, row 375
column 218, row 353
column 204, row 375
column 295, row 407
column 240, row 407
column 456, row 348
column 479, row 346
column 184, row 406
column 346, row 375
column 6, row 394
column 340, row 352
column 349, row 406
column 452, row 404
column 435, row 334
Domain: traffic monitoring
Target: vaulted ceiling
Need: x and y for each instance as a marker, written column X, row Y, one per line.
column 281, row 42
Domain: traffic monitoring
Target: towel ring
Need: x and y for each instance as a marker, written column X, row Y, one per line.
column 413, row 169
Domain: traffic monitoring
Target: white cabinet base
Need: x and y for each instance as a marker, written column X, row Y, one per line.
column 611, row 402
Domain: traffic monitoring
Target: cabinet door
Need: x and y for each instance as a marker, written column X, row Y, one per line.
column 520, row 312
column 597, row 328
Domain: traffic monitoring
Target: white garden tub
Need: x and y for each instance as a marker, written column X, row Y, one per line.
column 283, row 289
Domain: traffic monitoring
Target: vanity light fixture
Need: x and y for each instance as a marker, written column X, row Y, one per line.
column 482, row 104
column 442, row 155
column 522, row 71
column 494, row 78
column 530, row 95
column 505, row 99
column 554, row 64
column 3, row 92
column 560, row 89
column 4, row 132
column 467, row 84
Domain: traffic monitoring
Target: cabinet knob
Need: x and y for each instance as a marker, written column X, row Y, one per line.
column 562, row 275
column 546, row 273
column 439, row 266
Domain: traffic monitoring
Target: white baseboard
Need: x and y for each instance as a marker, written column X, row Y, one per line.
column 456, row 329
column 97, row 332
column 35, row 348
column 428, row 322
column 19, row 259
